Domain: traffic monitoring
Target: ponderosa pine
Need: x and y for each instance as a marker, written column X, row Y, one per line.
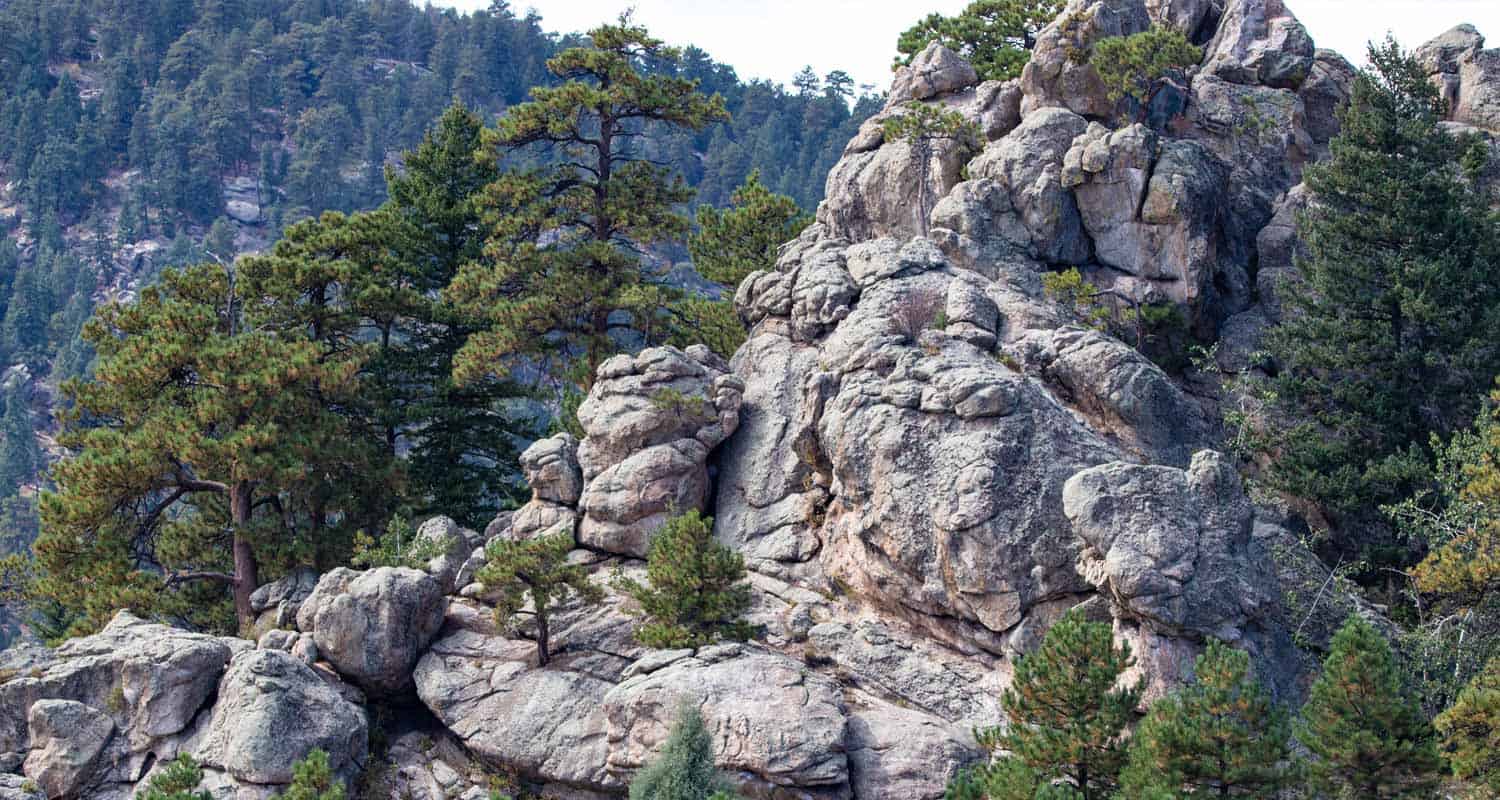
column 1219, row 736
column 564, row 259
column 1371, row 741
column 197, row 444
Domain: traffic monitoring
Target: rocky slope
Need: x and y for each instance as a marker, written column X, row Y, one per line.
column 924, row 460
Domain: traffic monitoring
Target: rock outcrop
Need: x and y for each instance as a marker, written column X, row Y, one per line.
column 373, row 625
column 651, row 421
column 96, row 717
column 924, row 458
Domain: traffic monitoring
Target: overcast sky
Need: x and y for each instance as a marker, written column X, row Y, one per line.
column 775, row 38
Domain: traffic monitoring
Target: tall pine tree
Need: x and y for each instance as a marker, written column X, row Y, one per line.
column 564, row 261
column 1067, row 711
column 1220, row 736
column 193, row 439
column 1393, row 334
column 1371, row 741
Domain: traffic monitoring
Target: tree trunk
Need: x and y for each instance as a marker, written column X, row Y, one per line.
column 246, row 571
column 542, row 656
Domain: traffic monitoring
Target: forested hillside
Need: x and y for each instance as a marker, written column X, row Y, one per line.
column 152, row 133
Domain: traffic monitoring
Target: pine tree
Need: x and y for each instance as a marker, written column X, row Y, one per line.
column 557, row 294
column 996, row 36
column 1392, row 335
column 685, row 769
column 733, row 242
column 1133, row 66
column 20, row 458
column 202, row 430
column 1005, row 779
column 1372, row 742
column 1066, row 710
column 312, row 779
column 537, row 569
column 177, row 780
column 1471, row 732
column 1217, row 737
column 462, row 436
column 697, row 594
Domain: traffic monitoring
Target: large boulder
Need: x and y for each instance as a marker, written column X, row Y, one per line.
column 898, row 754
column 1024, row 171
column 372, row 626
column 652, row 419
column 774, row 724
column 67, row 738
column 453, row 545
column 1173, row 546
column 152, row 681
column 275, row 604
column 1260, row 42
column 272, row 710
column 934, row 71
column 1058, row 74
column 1151, row 207
column 891, row 189
column 548, row 724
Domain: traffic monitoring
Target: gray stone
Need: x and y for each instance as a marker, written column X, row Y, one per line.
column 1173, row 547
column 272, row 710
column 899, row 754
column 551, row 469
column 454, row 544
column 1260, row 42
column 373, row 625
column 1026, row 165
column 652, row 420
column 548, row 724
column 67, row 738
column 770, row 719
column 1056, row 75
column 934, row 71
column 152, row 679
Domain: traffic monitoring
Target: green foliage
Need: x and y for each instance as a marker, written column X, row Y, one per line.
column 1471, row 731
column 713, row 323
column 1458, row 628
column 996, row 36
column 685, row 769
column 399, row 546
column 204, row 444
column 538, row 570
column 1134, row 66
column 1066, row 711
column 1158, row 330
column 1006, row 779
column 922, row 125
column 1370, row 740
column 1391, row 337
column 312, row 779
column 20, row 457
column 733, row 242
column 597, row 199
column 376, row 277
column 178, row 779
column 1217, row 737
column 697, row 594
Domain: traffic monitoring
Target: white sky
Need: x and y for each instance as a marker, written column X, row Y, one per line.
column 774, row 38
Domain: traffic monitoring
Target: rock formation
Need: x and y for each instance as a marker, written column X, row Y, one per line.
column 923, row 458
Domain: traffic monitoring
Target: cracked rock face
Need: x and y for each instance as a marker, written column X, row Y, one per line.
column 651, row 421
column 272, row 710
column 373, row 625
column 98, row 716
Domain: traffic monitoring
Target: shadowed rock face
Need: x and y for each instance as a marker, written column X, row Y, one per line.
column 924, row 460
